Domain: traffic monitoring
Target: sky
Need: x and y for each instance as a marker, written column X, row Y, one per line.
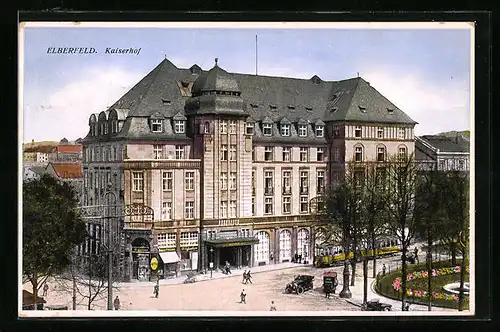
column 425, row 72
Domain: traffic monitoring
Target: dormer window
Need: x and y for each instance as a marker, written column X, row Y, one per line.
column 267, row 129
column 156, row 126
column 302, row 130
column 390, row 110
column 285, row 130
column 320, row 131
column 357, row 131
column 249, row 130
column 179, row 126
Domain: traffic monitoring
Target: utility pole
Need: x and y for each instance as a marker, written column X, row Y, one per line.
column 365, row 279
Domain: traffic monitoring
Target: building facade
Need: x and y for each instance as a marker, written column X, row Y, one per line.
column 443, row 153
column 231, row 164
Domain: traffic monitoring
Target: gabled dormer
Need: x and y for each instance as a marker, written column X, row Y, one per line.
column 285, row 127
column 179, row 123
column 267, row 126
column 302, row 129
column 250, row 123
column 156, row 122
column 319, row 128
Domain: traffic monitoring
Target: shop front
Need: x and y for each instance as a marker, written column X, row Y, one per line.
column 141, row 257
column 236, row 251
column 169, row 261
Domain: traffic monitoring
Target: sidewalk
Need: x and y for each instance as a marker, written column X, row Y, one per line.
column 216, row 274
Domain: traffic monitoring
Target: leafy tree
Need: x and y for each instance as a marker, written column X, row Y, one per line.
column 401, row 206
column 52, row 227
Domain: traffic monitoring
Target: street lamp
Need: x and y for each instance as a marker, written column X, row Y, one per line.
column 110, row 250
column 211, row 261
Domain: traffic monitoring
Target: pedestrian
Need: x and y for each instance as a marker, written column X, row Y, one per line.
column 300, row 258
column 117, row 303
column 272, row 257
column 383, row 269
column 228, row 268
column 156, row 291
column 296, row 258
column 245, row 278
column 243, row 296
column 45, row 289
column 273, row 307
column 327, row 291
column 249, row 277
column 415, row 251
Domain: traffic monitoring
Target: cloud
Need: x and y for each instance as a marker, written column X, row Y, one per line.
column 436, row 106
column 65, row 112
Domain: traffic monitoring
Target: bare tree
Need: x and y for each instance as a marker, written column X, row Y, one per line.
column 401, row 206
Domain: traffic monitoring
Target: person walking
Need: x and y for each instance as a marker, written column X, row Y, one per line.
column 273, row 307
column 156, row 291
column 249, row 277
column 415, row 251
column 45, row 289
column 383, row 269
column 116, row 303
column 243, row 296
column 245, row 278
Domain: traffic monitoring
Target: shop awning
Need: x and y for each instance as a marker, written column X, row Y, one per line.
column 169, row 257
column 234, row 242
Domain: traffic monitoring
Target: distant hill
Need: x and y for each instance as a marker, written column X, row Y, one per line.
column 37, row 144
column 453, row 133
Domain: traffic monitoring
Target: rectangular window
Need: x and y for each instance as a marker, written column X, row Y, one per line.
column 179, row 152
column 304, row 180
column 166, row 240
column 138, row 181
column 303, row 204
column 253, row 206
column 189, row 180
column 179, row 126
column 320, row 154
column 189, row 210
column 302, row 130
column 254, row 154
column 303, row 154
column 320, row 130
column 380, row 154
column 223, row 152
column 336, row 132
column 380, row 132
column 232, row 152
column 287, row 204
column 167, row 181
column 253, row 182
column 285, row 130
column 223, row 180
column 91, row 180
column 268, row 205
column 268, row 153
column 401, row 133
column 358, row 154
column 336, row 155
column 157, row 151
column 166, row 210
column 357, row 131
column 156, row 126
column 287, row 183
column 267, row 129
column 232, row 127
column 232, row 180
column 232, row 209
column 320, row 185
column 245, row 232
column 223, row 209
column 189, row 239
column 286, row 154
column 268, row 182
column 249, row 130
column 402, row 152
column 223, row 127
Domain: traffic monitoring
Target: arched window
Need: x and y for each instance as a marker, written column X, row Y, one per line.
column 285, row 245
column 303, row 243
column 402, row 151
column 262, row 248
column 358, row 153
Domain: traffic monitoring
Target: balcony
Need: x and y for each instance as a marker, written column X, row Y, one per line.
column 175, row 223
column 138, row 225
column 269, row 191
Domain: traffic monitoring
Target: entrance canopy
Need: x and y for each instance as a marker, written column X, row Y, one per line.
column 234, row 242
column 169, row 257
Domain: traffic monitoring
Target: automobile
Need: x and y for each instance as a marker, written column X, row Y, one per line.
column 300, row 284
column 376, row 305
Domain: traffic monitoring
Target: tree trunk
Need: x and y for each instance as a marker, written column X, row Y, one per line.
column 461, row 295
column 374, row 256
column 429, row 269
column 353, row 271
column 34, row 283
column 74, row 293
column 403, row 275
column 453, row 253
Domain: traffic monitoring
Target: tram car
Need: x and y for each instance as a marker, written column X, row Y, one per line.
column 334, row 256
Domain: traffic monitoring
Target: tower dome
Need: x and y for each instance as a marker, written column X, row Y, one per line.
column 216, row 79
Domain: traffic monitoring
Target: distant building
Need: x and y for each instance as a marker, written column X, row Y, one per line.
column 37, row 154
column 70, row 173
column 67, row 152
column 32, row 172
column 442, row 152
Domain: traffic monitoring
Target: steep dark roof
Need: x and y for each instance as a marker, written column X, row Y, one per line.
column 447, row 144
column 166, row 89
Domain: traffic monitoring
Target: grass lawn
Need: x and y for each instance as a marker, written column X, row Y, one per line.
column 385, row 288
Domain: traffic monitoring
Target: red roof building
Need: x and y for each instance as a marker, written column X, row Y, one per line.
column 66, row 171
column 69, row 149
